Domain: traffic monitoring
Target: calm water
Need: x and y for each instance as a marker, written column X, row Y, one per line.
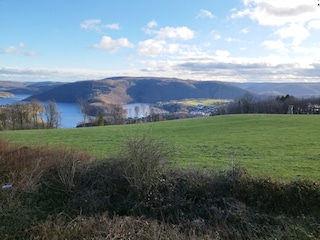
column 138, row 110
column 71, row 113
column 15, row 98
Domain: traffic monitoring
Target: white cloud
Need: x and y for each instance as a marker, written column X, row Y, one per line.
column 292, row 18
column 152, row 24
column 114, row 26
column 315, row 24
column 11, row 49
column 155, row 47
column 180, row 33
column 19, row 50
column 197, row 67
column 278, row 13
column 205, row 14
column 230, row 39
column 310, row 52
column 151, row 47
column 52, row 74
column 91, row 24
column 295, row 31
column 222, row 53
column 96, row 25
column 108, row 44
column 164, row 41
column 217, row 36
column 274, row 45
column 268, row 69
column 245, row 30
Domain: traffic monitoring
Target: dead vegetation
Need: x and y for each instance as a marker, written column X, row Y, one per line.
column 59, row 193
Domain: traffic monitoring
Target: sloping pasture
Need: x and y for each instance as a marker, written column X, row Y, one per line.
column 283, row 147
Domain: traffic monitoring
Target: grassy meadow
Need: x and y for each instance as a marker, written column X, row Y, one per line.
column 205, row 102
column 78, row 184
column 283, row 147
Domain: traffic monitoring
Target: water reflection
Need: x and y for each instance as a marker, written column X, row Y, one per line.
column 70, row 112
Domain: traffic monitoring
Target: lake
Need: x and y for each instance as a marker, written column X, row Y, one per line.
column 71, row 112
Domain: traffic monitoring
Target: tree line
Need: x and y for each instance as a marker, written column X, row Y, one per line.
column 274, row 105
column 34, row 115
column 108, row 114
column 115, row 114
column 29, row 115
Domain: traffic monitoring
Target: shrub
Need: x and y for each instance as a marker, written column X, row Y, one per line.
column 101, row 186
column 144, row 159
column 293, row 198
column 35, row 174
column 59, row 193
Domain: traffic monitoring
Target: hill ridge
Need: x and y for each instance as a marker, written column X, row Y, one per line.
column 124, row 90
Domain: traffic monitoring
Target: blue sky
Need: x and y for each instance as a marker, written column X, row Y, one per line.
column 234, row 40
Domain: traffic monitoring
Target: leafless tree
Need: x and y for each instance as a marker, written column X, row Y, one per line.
column 3, row 118
column 36, row 108
column 52, row 114
column 20, row 115
column 118, row 114
column 136, row 111
column 85, row 108
column 144, row 112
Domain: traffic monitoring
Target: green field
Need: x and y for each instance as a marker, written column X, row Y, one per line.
column 205, row 102
column 284, row 147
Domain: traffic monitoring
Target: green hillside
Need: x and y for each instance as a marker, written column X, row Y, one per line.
column 281, row 146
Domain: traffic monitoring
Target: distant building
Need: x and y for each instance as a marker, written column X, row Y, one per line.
column 290, row 109
column 313, row 108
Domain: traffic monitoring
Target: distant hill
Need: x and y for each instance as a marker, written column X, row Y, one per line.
column 27, row 87
column 279, row 89
column 125, row 90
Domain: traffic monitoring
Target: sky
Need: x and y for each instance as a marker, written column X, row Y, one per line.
column 232, row 41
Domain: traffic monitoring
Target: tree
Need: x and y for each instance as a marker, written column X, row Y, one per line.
column 155, row 115
column 144, row 112
column 136, row 111
column 3, row 118
column 118, row 114
column 35, row 109
column 101, row 121
column 53, row 117
column 243, row 104
column 85, row 108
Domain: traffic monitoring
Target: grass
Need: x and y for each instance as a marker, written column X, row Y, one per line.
column 283, row 147
column 205, row 102
column 59, row 193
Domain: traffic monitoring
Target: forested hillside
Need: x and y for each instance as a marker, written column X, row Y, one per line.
column 122, row 90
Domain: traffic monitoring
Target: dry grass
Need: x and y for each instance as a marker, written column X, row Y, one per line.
column 144, row 159
column 58, row 193
column 34, row 174
column 104, row 227
column 24, row 168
